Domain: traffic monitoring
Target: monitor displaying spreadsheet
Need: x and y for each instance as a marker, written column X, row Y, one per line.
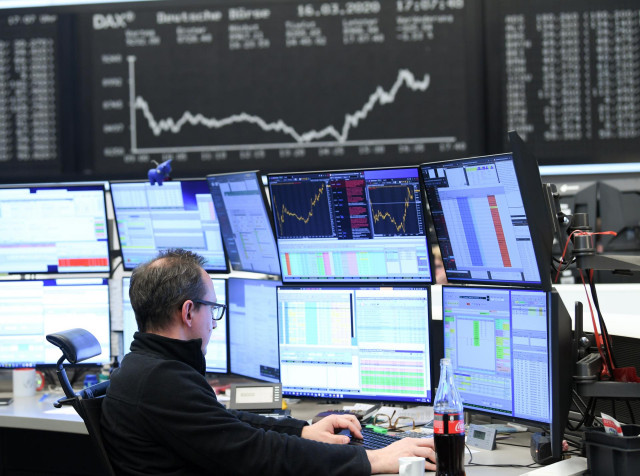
column 368, row 343
column 351, row 225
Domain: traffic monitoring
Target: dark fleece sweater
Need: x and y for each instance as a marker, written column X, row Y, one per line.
column 161, row 417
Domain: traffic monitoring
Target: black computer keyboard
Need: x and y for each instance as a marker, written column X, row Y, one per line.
column 373, row 440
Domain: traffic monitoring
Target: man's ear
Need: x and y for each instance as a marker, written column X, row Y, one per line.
column 187, row 313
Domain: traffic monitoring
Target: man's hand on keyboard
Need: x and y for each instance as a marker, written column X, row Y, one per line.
column 325, row 430
column 385, row 460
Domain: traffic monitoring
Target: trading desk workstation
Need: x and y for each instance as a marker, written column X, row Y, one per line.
column 325, row 233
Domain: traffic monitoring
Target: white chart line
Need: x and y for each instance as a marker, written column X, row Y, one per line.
column 306, row 139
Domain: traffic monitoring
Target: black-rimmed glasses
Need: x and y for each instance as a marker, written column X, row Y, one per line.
column 217, row 310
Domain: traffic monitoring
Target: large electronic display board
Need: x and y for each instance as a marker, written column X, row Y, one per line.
column 282, row 85
column 565, row 75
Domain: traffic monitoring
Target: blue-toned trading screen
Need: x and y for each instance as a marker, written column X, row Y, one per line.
column 53, row 229
column 480, row 221
column 368, row 343
column 29, row 310
column 244, row 221
column 497, row 340
column 216, row 358
column 177, row 214
column 253, row 329
column 350, row 225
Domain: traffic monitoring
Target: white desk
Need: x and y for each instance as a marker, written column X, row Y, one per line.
column 35, row 441
column 305, row 410
column 28, row 413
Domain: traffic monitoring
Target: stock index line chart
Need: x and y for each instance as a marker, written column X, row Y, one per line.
column 302, row 210
column 394, row 210
column 280, row 85
column 315, row 138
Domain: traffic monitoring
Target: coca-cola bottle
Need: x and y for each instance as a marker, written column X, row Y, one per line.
column 448, row 425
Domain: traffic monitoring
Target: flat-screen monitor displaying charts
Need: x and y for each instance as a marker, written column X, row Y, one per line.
column 53, row 229
column 176, row 214
column 245, row 222
column 351, row 225
column 347, row 342
column 30, row 310
column 253, row 329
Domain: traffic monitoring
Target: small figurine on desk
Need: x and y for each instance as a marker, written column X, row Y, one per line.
column 160, row 173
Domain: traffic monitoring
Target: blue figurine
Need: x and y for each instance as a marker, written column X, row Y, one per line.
column 160, row 173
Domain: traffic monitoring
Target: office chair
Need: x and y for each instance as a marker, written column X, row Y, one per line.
column 78, row 345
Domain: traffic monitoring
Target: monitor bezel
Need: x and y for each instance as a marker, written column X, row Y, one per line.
column 179, row 180
column 431, row 364
column 536, row 210
column 79, row 186
column 275, row 283
column 267, row 210
column 357, row 280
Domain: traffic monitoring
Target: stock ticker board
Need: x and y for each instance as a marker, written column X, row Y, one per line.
column 103, row 90
column 566, row 76
column 284, row 85
column 30, row 138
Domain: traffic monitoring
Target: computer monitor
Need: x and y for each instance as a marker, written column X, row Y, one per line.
column 511, row 353
column 53, row 229
column 30, row 310
column 216, row 358
column 176, row 214
column 369, row 343
column 245, row 222
column 351, row 225
column 620, row 213
column 491, row 219
column 253, row 329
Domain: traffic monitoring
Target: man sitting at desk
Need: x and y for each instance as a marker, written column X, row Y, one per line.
column 161, row 417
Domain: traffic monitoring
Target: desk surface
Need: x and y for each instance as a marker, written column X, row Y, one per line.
column 36, row 414
column 32, row 413
column 505, row 453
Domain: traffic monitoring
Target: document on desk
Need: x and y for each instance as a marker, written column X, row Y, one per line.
column 62, row 411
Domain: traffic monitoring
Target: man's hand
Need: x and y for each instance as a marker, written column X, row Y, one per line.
column 325, row 430
column 386, row 459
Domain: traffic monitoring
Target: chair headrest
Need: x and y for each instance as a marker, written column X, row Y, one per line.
column 76, row 344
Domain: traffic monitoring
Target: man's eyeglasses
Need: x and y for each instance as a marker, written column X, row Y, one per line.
column 217, row 310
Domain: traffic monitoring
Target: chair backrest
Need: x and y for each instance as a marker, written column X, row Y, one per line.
column 78, row 345
column 90, row 410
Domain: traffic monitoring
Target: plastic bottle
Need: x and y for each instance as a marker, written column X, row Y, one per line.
column 104, row 373
column 448, row 425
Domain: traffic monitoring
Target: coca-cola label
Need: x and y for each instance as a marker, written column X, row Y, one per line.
column 448, row 424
